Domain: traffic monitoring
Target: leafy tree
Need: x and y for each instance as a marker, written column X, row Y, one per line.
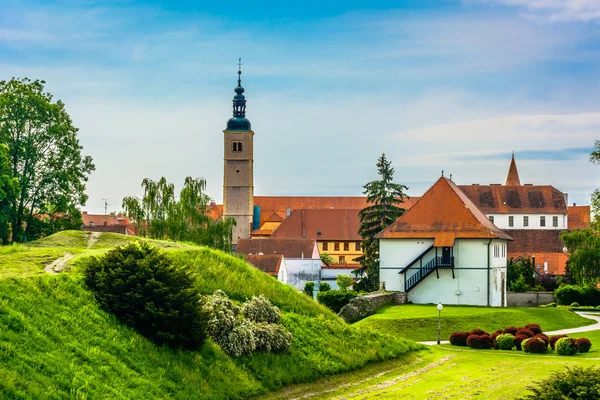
column 385, row 198
column 144, row 290
column 327, row 258
column 344, row 282
column 584, row 255
column 159, row 214
column 44, row 154
column 520, row 274
column 8, row 190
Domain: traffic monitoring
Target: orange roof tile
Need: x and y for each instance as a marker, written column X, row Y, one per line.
column 512, row 179
column 100, row 219
column 274, row 217
column 446, row 213
column 325, row 224
column 268, row 263
column 578, row 217
column 527, row 199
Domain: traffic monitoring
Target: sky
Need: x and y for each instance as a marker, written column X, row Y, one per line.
column 437, row 85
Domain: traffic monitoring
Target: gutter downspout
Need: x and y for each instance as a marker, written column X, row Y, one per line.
column 488, row 272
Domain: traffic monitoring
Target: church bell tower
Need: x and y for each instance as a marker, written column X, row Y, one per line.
column 238, row 176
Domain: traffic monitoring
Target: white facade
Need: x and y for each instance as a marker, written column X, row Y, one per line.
column 529, row 221
column 282, row 275
column 479, row 272
column 302, row 270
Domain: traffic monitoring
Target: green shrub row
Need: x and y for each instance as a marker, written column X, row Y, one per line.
column 569, row 294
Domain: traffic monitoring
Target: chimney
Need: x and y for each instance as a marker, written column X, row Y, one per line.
column 84, row 212
column 288, row 211
column 566, row 198
column 574, row 204
column 212, row 205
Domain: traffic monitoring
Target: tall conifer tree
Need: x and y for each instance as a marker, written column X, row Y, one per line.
column 386, row 199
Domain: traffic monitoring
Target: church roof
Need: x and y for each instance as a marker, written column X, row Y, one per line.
column 321, row 224
column 443, row 213
column 526, row 199
column 512, row 179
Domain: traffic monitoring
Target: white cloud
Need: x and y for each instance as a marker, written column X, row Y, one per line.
column 556, row 10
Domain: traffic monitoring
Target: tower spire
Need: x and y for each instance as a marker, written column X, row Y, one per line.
column 512, row 179
column 239, row 101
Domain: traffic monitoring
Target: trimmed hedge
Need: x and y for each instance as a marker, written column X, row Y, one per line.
column 535, row 328
column 519, row 341
column 566, row 346
column 554, row 339
column 479, row 332
column 535, row 345
column 583, row 345
column 525, row 332
column 569, row 294
column 505, row 341
column 480, row 341
column 459, row 338
column 335, row 299
column 512, row 330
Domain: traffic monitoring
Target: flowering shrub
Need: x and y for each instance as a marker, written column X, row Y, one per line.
column 512, row 330
column 505, row 341
column 534, row 345
column 554, row 339
column 535, row 328
column 583, row 345
column 566, row 346
column 271, row 337
column 480, row 341
column 526, row 332
column 478, row 332
column 459, row 338
column 260, row 309
column 519, row 340
column 239, row 336
column 240, row 340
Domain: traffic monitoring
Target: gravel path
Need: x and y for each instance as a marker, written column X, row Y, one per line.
column 587, row 328
column 58, row 265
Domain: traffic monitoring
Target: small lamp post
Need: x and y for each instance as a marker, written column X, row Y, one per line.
column 439, row 307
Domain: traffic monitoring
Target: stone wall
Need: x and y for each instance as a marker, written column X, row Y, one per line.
column 363, row 306
column 528, row 299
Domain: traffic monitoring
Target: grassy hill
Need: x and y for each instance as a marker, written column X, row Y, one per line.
column 56, row 343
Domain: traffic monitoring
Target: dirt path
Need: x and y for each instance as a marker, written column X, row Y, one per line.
column 94, row 236
column 58, row 265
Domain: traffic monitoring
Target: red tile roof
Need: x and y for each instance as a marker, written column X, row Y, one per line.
column 288, row 247
column 512, row 179
column 341, row 266
column 268, row 263
column 578, row 217
column 324, row 224
column 100, row 219
column 530, row 241
column 443, row 213
column 527, row 199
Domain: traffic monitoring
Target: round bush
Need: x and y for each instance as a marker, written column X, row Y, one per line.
column 260, row 309
column 574, row 304
column 324, row 286
column 511, row 329
column 240, row 340
column 554, row 339
column 222, row 316
column 519, row 340
column 505, row 341
column 570, row 383
column 535, row 345
column 524, row 345
column 144, row 290
column 271, row 337
column 480, row 341
column 478, row 332
column 526, row 332
column 583, row 345
column 544, row 338
column 459, row 338
column 534, row 328
column 566, row 346
column 494, row 336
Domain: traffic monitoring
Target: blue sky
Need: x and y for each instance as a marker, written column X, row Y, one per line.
column 453, row 85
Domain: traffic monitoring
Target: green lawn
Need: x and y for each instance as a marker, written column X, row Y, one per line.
column 419, row 322
column 442, row 373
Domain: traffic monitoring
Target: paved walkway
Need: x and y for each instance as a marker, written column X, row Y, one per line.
column 587, row 328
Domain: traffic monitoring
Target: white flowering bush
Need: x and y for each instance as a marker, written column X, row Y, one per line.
column 222, row 317
column 240, row 341
column 241, row 330
column 260, row 309
column 271, row 337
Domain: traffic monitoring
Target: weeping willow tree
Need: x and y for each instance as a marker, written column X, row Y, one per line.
column 159, row 214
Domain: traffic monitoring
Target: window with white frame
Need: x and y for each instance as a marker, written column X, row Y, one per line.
column 525, row 220
column 555, row 221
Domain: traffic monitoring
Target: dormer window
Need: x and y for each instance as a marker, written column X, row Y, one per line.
column 237, row 146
